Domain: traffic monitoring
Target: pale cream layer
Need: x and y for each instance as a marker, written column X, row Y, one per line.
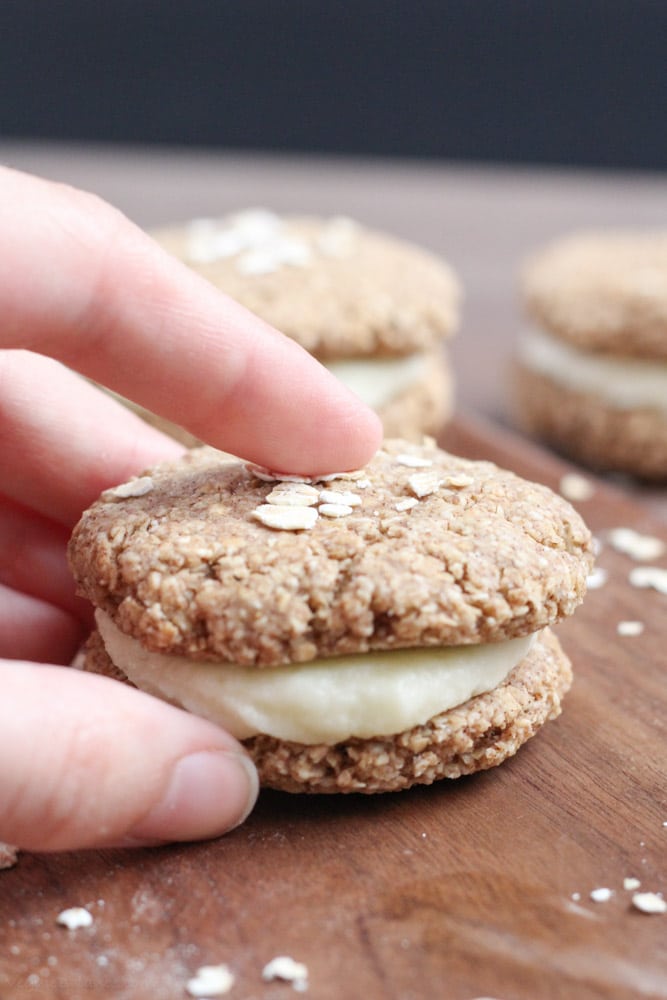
column 322, row 701
column 626, row 383
column 379, row 380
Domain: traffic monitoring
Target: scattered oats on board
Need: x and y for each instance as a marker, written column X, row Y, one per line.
column 286, row 518
column 602, row 895
column 597, row 578
column 135, row 488
column 649, row 902
column 74, row 917
column 210, row 981
column 575, row 487
column 643, row 548
column 649, row 576
column 631, row 883
column 630, row 628
column 285, row 968
column 8, row 855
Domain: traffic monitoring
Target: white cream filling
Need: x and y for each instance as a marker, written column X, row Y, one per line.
column 322, row 701
column 626, row 383
column 379, row 380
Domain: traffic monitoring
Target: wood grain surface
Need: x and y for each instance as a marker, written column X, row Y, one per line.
column 467, row 889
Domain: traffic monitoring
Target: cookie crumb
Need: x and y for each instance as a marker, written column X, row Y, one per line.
column 630, row 628
column 424, row 483
column 8, row 856
column 286, row 518
column 649, row 902
column 413, row 461
column 406, row 504
column 334, row 509
column 631, row 883
column 135, row 488
column 575, row 487
column 640, row 547
column 363, row 484
column 597, row 578
column 602, row 895
column 74, row 917
column 649, row 576
column 285, row 968
column 210, row 981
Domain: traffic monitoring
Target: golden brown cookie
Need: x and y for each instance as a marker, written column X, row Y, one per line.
column 592, row 368
column 372, row 308
column 335, row 624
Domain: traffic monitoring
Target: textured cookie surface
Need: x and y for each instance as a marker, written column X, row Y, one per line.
column 603, row 292
column 337, row 288
column 475, row 736
column 429, row 549
column 594, row 432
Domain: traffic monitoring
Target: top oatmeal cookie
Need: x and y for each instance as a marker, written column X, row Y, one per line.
column 603, row 292
column 420, row 548
column 337, row 288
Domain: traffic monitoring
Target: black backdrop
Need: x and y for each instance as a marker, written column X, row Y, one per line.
column 538, row 81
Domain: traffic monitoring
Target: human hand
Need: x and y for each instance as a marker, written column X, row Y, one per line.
column 86, row 761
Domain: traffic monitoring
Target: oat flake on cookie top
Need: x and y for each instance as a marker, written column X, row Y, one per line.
column 189, row 568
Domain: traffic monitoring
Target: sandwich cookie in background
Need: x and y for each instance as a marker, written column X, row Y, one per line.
column 375, row 310
column 592, row 366
column 361, row 632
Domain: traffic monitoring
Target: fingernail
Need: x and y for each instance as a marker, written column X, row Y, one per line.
column 208, row 793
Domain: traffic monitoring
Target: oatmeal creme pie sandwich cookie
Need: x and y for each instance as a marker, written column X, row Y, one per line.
column 366, row 631
column 373, row 309
column 592, row 368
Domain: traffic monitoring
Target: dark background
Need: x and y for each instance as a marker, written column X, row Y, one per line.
column 577, row 82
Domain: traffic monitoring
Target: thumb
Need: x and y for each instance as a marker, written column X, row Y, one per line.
column 88, row 762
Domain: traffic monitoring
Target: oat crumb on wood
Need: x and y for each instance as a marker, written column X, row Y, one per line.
column 74, row 917
column 8, row 856
column 211, row 981
column 287, row 969
column 649, row 902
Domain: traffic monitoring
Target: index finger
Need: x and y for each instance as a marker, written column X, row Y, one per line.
column 80, row 283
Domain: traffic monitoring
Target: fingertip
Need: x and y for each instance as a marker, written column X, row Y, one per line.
column 206, row 794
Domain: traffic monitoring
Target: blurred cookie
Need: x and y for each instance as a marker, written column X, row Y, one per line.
column 375, row 310
column 592, row 370
column 365, row 632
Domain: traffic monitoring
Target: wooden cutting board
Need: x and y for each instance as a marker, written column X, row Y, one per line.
column 474, row 888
